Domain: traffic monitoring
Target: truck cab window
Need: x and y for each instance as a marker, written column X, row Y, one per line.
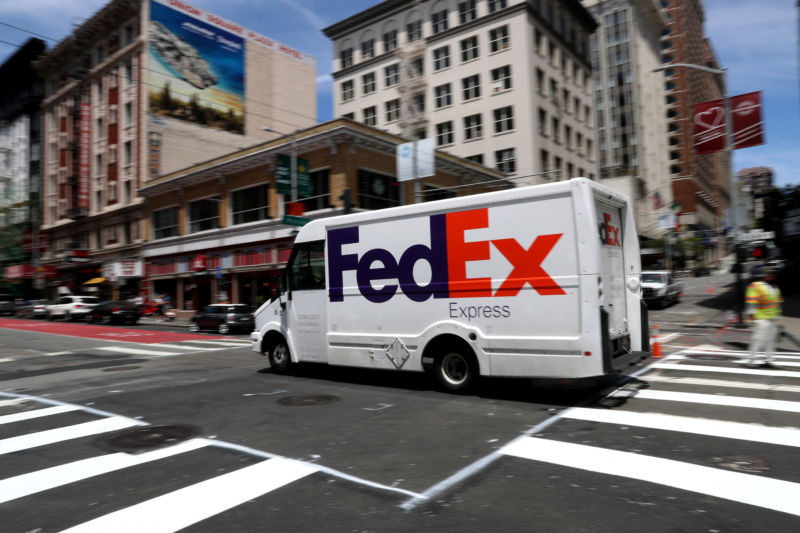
column 307, row 268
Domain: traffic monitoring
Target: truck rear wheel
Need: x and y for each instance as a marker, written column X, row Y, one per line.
column 279, row 358
column 455, row 370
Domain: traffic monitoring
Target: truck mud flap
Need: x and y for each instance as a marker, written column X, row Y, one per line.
column 617, row 354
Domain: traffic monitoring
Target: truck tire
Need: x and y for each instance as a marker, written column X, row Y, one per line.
column 280, row 359
column 455, row 369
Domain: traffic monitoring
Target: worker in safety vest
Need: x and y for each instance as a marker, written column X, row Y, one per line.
column 763, row 300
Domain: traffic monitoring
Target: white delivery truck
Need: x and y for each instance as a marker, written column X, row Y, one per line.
column 540, row 281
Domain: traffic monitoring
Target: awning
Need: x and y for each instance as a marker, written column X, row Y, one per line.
column 95, row 281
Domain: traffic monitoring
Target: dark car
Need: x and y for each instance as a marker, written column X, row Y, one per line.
column 223, row 318
column 6, row 304
column 115, row 312
column 32, row 309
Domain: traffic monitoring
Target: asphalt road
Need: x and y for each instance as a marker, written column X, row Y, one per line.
column 152, row 429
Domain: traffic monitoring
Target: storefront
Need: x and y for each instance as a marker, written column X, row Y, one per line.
column 125, row 277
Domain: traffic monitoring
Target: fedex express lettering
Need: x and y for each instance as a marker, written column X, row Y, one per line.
column 447, row 257
column 609, row 234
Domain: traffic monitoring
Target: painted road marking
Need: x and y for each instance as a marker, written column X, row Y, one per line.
column 722, row 383
column 749, row 489
column 49, row 478
column 710, row 399
column 782, row 362
column 38, row 413
column 180, row 509
column 183, row 347
column 686, row 424
column 221, row 343
column 135, row 351
column 42, row 438
column 7, row 360
column 728, row 370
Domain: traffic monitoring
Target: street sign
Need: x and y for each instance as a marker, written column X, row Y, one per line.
column 283, row 176
column 425, row 157
column 757, row 236
column 292, row 220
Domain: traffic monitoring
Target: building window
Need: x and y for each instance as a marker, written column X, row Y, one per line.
column 368, row 83
column 444, row 133
column 348, row 92
column 469, row 49
column 540, row 81
column 392, row 75
column 443, row 96
column 503, row 119
column 439, row 21
column 556, row 130
column 346, row 57
column 416, row 68
column 127, row 153
column 477, row 158
column 501, row 78
column 568, row 136
column 204, row 214
column 544, row 160
column 498, row 39
column 473, row 127
column 467, row 11
column 320, row 196
column 417, row 104
column 393, row 110
column 351, row 116
column 165, row 223
column 542, row 125
column 579, row 141
column 441, row 58
column 129, row 114
column 390, row 41
column 368, row 49
column 496, row 5
column 377, row 191
column 250, row 205
column 370, row 116
column 505, row 161
column 414, row 31
column 472, row 87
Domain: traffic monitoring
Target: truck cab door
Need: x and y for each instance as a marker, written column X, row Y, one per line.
column 307, row 306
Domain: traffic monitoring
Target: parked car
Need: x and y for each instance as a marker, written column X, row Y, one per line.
column 71, row 307
column 114, row 312
column 6, row 304
column 659, row 288
column 223, row 318
column 32, row 309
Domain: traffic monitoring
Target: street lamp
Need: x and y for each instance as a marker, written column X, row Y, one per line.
column 294, row 159
column 734, row 193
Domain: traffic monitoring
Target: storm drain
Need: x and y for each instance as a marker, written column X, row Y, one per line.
column 145, row 438
column 308, row 400
column 120, row 368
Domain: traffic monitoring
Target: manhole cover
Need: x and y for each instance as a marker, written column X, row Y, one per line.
column 743, row 463
column 148, row 437
column 311, row 399
column 119, row 368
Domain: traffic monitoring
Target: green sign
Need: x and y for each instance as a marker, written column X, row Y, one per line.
column 283, row 176
column 291, row 220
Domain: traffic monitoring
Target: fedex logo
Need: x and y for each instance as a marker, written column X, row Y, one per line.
column 609, row 233
column 447, row 257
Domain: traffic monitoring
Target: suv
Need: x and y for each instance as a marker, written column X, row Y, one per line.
column 71, row 307
column 7, row 306
column 660, row 288
column 223, row 318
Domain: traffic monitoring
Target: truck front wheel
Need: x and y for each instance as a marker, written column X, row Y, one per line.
column 279, row 358
column 455, row 370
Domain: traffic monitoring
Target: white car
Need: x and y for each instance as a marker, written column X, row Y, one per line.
column 71, row 307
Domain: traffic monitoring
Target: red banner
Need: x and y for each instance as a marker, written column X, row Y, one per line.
column 29, row 272
column 709, row 123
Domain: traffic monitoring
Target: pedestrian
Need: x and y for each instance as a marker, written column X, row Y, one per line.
column 763, row 300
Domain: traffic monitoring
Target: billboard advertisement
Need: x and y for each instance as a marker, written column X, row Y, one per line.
column 196, row 67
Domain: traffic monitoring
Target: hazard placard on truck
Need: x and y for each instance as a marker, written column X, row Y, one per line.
column 539, row 281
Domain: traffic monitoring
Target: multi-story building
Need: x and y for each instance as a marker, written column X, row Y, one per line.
column 216, row 230
column 21, row 93
column 700, row 183
column 141, row 89
column 506, row 83
column 755, row 184
column 631, row 111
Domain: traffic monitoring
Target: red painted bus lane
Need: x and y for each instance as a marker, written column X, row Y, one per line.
column 105, row 333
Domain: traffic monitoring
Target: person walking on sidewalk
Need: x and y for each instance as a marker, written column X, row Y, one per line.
column 763, row 300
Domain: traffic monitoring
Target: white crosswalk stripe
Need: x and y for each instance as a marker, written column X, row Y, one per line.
column 37, row 413
column 50, row 436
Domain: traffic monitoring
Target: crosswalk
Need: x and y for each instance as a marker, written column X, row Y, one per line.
column 259, row 474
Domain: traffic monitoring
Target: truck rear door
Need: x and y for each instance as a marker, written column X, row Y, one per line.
column 612, row 267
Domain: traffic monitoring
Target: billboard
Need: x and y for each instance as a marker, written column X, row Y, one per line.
column 197, row 66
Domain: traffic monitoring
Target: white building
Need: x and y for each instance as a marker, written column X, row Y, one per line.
column 506, row 83
column 631, row 107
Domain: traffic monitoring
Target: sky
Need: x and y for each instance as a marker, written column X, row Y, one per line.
column 755, row 40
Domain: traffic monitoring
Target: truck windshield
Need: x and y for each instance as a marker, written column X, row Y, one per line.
column 653, row 278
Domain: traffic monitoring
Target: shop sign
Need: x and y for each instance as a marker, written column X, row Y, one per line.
column 77, row 256
column 199, row 263
column 127, row 268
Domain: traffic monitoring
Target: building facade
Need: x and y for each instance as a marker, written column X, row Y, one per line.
column 505, row 83
column 700, row 183
column 217, row 231
column 139, row 91
column 631, row 110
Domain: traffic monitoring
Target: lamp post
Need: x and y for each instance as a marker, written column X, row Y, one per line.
column 294, row 159
column 734, row 193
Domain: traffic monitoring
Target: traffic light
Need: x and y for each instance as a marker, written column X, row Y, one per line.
column 347, row 201
column 760, row 251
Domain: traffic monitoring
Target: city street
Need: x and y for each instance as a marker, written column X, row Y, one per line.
column 151, row 428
